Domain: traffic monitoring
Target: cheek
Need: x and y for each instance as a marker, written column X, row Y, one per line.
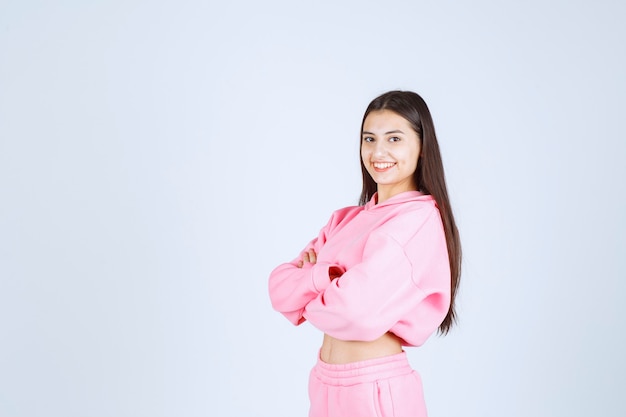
column 415, row 154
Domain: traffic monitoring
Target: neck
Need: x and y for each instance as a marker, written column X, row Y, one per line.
column 385, row 193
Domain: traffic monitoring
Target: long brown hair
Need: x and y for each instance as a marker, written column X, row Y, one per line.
column 429, row 177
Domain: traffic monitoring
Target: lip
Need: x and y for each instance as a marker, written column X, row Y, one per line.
column 383, row 166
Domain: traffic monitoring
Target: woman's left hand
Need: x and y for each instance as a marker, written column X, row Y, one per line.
column 310, row 256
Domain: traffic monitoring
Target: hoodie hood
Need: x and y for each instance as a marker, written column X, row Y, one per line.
column 399, row 198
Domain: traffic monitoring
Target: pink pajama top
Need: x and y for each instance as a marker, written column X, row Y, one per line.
column 396, row 273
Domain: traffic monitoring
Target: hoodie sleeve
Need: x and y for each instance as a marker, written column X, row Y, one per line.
column 401, row 285
column 291, row 288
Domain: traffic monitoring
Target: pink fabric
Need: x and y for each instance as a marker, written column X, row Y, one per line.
column 397, row 273
column 382, row 387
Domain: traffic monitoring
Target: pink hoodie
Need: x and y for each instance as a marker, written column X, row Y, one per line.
column 397, row 273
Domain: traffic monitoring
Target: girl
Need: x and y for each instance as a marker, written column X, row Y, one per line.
column 381, row 275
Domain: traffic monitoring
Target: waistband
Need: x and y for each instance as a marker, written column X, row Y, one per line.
column 370, row 370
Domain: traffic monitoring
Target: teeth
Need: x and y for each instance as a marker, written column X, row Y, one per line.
column 383, row 165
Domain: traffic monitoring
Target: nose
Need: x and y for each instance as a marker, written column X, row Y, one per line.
column 380, row 148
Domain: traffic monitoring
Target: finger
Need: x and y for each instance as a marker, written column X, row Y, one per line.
column 305, row 257
column 300, row 264
column 312, row 256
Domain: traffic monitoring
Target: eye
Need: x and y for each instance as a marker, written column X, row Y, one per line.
column 368, row 139
column 394, row 139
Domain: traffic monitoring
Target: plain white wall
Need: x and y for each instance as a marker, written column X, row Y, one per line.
column 158, row 159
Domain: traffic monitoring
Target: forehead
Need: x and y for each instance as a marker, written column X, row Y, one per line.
column 381, row 121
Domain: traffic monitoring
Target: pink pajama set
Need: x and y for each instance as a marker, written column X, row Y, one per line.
column 396, row 278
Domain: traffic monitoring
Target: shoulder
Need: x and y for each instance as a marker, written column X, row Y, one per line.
column 341, row 217
column 344, row 214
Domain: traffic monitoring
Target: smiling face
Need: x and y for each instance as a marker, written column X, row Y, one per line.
column 390, row 149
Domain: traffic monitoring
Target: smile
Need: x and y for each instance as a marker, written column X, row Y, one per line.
column 383, row 165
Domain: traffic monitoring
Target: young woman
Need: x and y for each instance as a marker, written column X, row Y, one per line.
column 381, row 275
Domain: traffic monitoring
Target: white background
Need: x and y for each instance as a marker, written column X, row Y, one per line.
column 158, row 159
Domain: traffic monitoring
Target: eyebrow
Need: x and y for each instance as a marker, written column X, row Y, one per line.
column 386, row 133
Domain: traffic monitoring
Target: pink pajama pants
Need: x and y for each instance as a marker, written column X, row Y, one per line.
column 381, row 387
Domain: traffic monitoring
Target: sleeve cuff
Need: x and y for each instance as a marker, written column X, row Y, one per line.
column 320, row 277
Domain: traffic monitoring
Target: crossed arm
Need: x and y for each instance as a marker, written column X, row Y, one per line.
column 311, row 257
